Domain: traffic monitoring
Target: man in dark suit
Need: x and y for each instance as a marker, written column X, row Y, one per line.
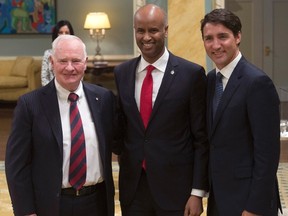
column 243, row 128
column 163, row 156
column 38, row 160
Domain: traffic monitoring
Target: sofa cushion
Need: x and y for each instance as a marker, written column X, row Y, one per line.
column 13, row 82
column 21, row 66
column 6, row 66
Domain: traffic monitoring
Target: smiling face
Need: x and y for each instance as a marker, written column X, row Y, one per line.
column 221, row 45
column 69, row 62
column 150, row 32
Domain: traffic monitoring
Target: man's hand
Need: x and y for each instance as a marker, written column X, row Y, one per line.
column 246, row 213
column 194, row 206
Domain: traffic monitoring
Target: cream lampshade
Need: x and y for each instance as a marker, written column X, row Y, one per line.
column 97, row 23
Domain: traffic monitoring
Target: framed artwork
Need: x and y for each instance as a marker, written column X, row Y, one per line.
column 27, row 16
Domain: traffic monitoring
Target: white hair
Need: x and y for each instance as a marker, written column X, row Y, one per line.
column 67, row 37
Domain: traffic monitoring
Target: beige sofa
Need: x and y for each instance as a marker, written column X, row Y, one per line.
column 18, row 76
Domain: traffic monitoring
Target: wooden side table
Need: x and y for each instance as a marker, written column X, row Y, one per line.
column 101, row 74
column 98, row 70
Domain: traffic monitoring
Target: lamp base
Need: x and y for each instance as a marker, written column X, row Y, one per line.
column 98, row 61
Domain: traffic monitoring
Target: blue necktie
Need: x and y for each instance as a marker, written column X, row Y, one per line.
column 218, row 92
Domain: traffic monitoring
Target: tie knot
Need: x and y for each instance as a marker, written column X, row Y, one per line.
column 73, row 97
column 150, row 68
column 219, row 77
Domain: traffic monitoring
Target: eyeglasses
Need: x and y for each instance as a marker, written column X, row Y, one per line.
column 73, row 62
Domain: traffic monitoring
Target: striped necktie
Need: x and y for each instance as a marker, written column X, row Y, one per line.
column 78, row 168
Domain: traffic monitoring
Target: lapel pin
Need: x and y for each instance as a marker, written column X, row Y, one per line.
column 172, row 72
column 96, row 98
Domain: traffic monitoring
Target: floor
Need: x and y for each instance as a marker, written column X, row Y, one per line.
column 5, row 203
column 6, row 111
column 6, row 208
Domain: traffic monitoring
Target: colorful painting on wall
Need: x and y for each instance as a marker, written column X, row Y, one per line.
column 27, row 16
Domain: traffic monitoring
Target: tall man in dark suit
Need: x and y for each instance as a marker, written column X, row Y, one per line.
column 243, row 129
column 40, row 179
column 163, row 154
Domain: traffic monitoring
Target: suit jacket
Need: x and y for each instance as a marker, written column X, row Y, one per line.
column 35, row 149
column 174, row 144
column 244, row 142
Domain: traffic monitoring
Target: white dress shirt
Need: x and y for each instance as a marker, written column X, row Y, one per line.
column 94, row 172
column 157, row 74
column 228, row 69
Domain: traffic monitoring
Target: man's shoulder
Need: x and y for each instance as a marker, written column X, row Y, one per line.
column 90, row 88
column 94, row 87
column 128, row 63
column 175, row 59
column 249, row 69
column 34, row 98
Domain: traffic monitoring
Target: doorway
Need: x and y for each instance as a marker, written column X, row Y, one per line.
column 264, row 39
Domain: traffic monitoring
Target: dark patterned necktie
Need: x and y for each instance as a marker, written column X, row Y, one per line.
column 218, row 92
column 146, row 100
column 78, row 168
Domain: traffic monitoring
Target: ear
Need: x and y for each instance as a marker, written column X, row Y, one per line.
column 238, row 38
column 166, row 31
column 51, row 60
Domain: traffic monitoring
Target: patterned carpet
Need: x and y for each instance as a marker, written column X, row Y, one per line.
column 6, row 208
column 282, row 175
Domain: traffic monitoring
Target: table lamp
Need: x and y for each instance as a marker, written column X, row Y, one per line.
column 97, row 23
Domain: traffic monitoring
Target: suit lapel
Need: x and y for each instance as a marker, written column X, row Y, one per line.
column 94, row 101
column 232, row 86
column 130, row 77
column 170, row 73
column 50, row 105
column 210, row 94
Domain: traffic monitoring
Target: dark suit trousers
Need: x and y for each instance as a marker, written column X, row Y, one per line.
column 143, row 204
column 212, row 207
column 94, row 204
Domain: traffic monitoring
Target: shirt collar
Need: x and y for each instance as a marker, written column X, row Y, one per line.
column 160, row 64
column 63, row 93
column 228, row 69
